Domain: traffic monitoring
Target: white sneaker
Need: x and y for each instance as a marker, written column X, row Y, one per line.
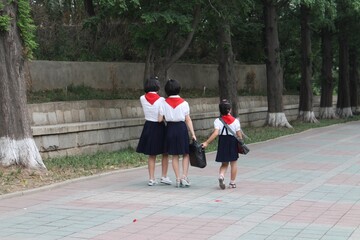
column 166, row 180
column 184, row 182
column 221, row 183
column 152, row 182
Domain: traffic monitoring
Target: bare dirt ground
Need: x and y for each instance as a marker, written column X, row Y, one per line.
column 16, row 179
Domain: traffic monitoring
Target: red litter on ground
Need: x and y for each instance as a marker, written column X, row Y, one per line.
column 134, row 220
column 217, row 200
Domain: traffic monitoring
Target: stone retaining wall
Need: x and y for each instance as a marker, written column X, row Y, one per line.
column 46, row 75
column 69, row 128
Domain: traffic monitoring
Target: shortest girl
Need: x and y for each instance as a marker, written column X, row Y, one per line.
column 227, row 144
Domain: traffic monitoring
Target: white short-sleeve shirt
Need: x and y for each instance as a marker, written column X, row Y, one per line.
column 151, row 111
column 177, row 114
column 235, row 126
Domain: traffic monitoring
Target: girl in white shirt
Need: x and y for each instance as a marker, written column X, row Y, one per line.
column 151, row 141
column 176, row 112
column 227, row 151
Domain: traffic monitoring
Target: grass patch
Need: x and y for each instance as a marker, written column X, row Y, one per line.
column 128, row 158
column 81, row 92
column 77, row 93
column 101, row 161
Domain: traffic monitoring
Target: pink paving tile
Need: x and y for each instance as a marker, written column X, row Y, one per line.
column 107, row 205
column 272, row 155
column 267, row 188
column 336, row 152
column 243, row 170
column 112, row 235
column 348, row 223
column 345, row 179
column 299, row 211
column 346, row 215
column 304, row 144
column 326, row 220
column 324, row 167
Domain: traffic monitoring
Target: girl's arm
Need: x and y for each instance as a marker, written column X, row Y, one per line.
column 160, row 118
column 189, row 124
column 239, row 134
column 211, row 138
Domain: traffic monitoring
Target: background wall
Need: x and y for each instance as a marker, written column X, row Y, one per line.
column 79, row 127
column 46, row 75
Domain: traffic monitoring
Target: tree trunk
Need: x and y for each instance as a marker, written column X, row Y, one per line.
column 326, row 110
column 89, row 7
column 227, row 76
column 354, row 81
column 343, row 107
column 306, row 113
column 17, row 146
column 276, row 117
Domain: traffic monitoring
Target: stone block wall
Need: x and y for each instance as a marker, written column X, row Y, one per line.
column 45, row 75
column 84, row 127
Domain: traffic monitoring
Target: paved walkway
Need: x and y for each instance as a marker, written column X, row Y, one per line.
column 300, row 187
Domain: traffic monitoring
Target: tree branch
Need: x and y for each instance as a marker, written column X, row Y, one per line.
column 282, row 3
column 189, row 38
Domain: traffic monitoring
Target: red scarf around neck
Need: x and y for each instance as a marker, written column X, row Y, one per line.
column 152, row 97
column 228, row 119
column 174, row 102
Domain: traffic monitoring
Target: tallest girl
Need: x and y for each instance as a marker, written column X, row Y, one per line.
column 176, row 112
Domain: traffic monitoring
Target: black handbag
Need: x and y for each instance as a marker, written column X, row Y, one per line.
column 197, row 155
column 242, row 148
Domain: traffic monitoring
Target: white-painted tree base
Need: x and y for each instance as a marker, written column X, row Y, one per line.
column 327, row 113
column 20, row 152
column 344, row 112
column 355, row 110
column 307, row 116
column 277, row 120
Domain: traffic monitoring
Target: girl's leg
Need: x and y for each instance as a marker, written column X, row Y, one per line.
column 164, row 165
column 164, row 169
column 175, row 164
column 223, row 168
column 185, row 164
column 151, row 167
column 222, row 172
column 233, row 166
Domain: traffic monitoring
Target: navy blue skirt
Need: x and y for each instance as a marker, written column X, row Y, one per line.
column 177, row 138
column 227, row 149
column 152, row 137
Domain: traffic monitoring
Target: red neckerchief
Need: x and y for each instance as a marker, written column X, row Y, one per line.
column 174, row 101
column 228, row 119
column 152, row 97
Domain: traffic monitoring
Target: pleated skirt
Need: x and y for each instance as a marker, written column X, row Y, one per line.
column 177, row 138
column 227, row 149
column 152, row 138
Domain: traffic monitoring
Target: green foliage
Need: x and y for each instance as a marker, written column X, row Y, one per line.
column 4, row 19
column 161, row 23
column 27, row 27
column 5, row 23
column 77, row 93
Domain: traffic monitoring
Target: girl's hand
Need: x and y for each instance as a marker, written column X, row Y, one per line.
column 204, row 144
